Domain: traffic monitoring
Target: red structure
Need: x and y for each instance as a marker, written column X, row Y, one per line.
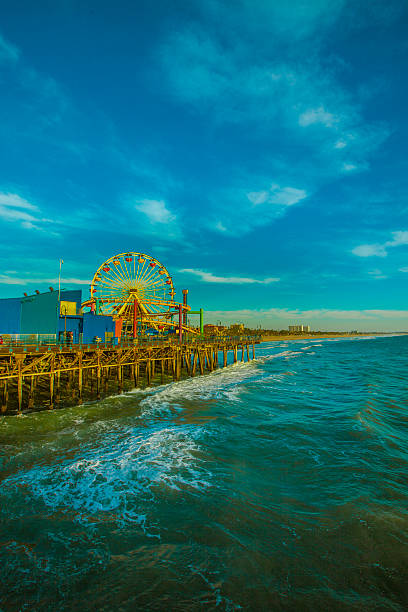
column 135, row 313
column 180, row 309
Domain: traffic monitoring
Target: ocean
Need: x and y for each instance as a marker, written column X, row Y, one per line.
column 278, row 484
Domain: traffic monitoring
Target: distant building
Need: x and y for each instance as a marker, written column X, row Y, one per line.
column 237, row 327
column 299, row 328
column 210, row 328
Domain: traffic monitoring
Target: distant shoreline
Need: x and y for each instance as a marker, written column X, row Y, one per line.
column 279, row 338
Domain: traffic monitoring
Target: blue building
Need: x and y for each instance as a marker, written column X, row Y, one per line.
column 52, row 315
column 10, row 316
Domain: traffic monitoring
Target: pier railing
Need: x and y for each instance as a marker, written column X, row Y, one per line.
column 37, row 342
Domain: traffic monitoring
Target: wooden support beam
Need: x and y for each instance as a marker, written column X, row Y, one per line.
column 235, row 354
column 201, row 358
column 242, row 353
column 195, row 357
column 247, row 352
column 187, row 359
column 178, row 365
column 58, row 393
column 19, row 360
column 31, row 393
column 52, row 374
column 80, row 377
column 120, row 378
column 4, row 401
column 98, row 375
column 253, row 351
column 225, row 357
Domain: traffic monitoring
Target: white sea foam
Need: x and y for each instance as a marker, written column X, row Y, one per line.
column 276, row 356
column 366, row 338
column 120, row 474
column 222, row 383
column 124, row 467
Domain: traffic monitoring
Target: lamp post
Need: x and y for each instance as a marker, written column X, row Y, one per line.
column 61, row 261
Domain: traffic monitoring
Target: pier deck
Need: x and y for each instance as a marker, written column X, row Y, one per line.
column 34, row 378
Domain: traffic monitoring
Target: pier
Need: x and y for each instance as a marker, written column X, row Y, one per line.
column 47, row 377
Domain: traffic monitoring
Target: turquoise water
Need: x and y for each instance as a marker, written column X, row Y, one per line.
column 277, row 484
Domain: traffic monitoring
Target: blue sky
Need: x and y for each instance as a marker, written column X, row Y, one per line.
column 258, row 150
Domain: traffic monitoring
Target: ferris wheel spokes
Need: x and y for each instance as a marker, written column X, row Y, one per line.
column 130, row 279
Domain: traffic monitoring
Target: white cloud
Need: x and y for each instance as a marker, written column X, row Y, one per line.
column 340, row 144
column 380, row 250
column 29, row 225
column 11, row 214
column 8, row 51
column 318, row 313
column 377, row 274
column 12, row 200
column 257, row 197
column 155, row 210
column 317, row 115
column 208, row 277
column 285, row 196
column 220, row 227
column 14, row 208
column 233, row 216
column 284, row 106
column 15, row 280
column 398, row 239
column 319, row 319
column 349, row 167
column 370, row 250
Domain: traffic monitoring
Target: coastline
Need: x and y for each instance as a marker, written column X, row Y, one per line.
column 279, row 338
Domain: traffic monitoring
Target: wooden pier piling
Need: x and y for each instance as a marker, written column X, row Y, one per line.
column 34, row 378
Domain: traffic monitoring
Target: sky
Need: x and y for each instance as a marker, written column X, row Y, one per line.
column 258, row 149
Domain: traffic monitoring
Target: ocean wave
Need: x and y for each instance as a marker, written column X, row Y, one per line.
column 225, row 383
column 118, row 476
column 263, row 484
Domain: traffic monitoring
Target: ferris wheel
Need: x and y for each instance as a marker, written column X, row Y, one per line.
column 130, row 281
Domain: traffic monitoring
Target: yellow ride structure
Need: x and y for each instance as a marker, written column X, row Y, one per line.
column 139, row 290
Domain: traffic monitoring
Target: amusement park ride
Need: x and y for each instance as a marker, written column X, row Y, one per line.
column 137, row 289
